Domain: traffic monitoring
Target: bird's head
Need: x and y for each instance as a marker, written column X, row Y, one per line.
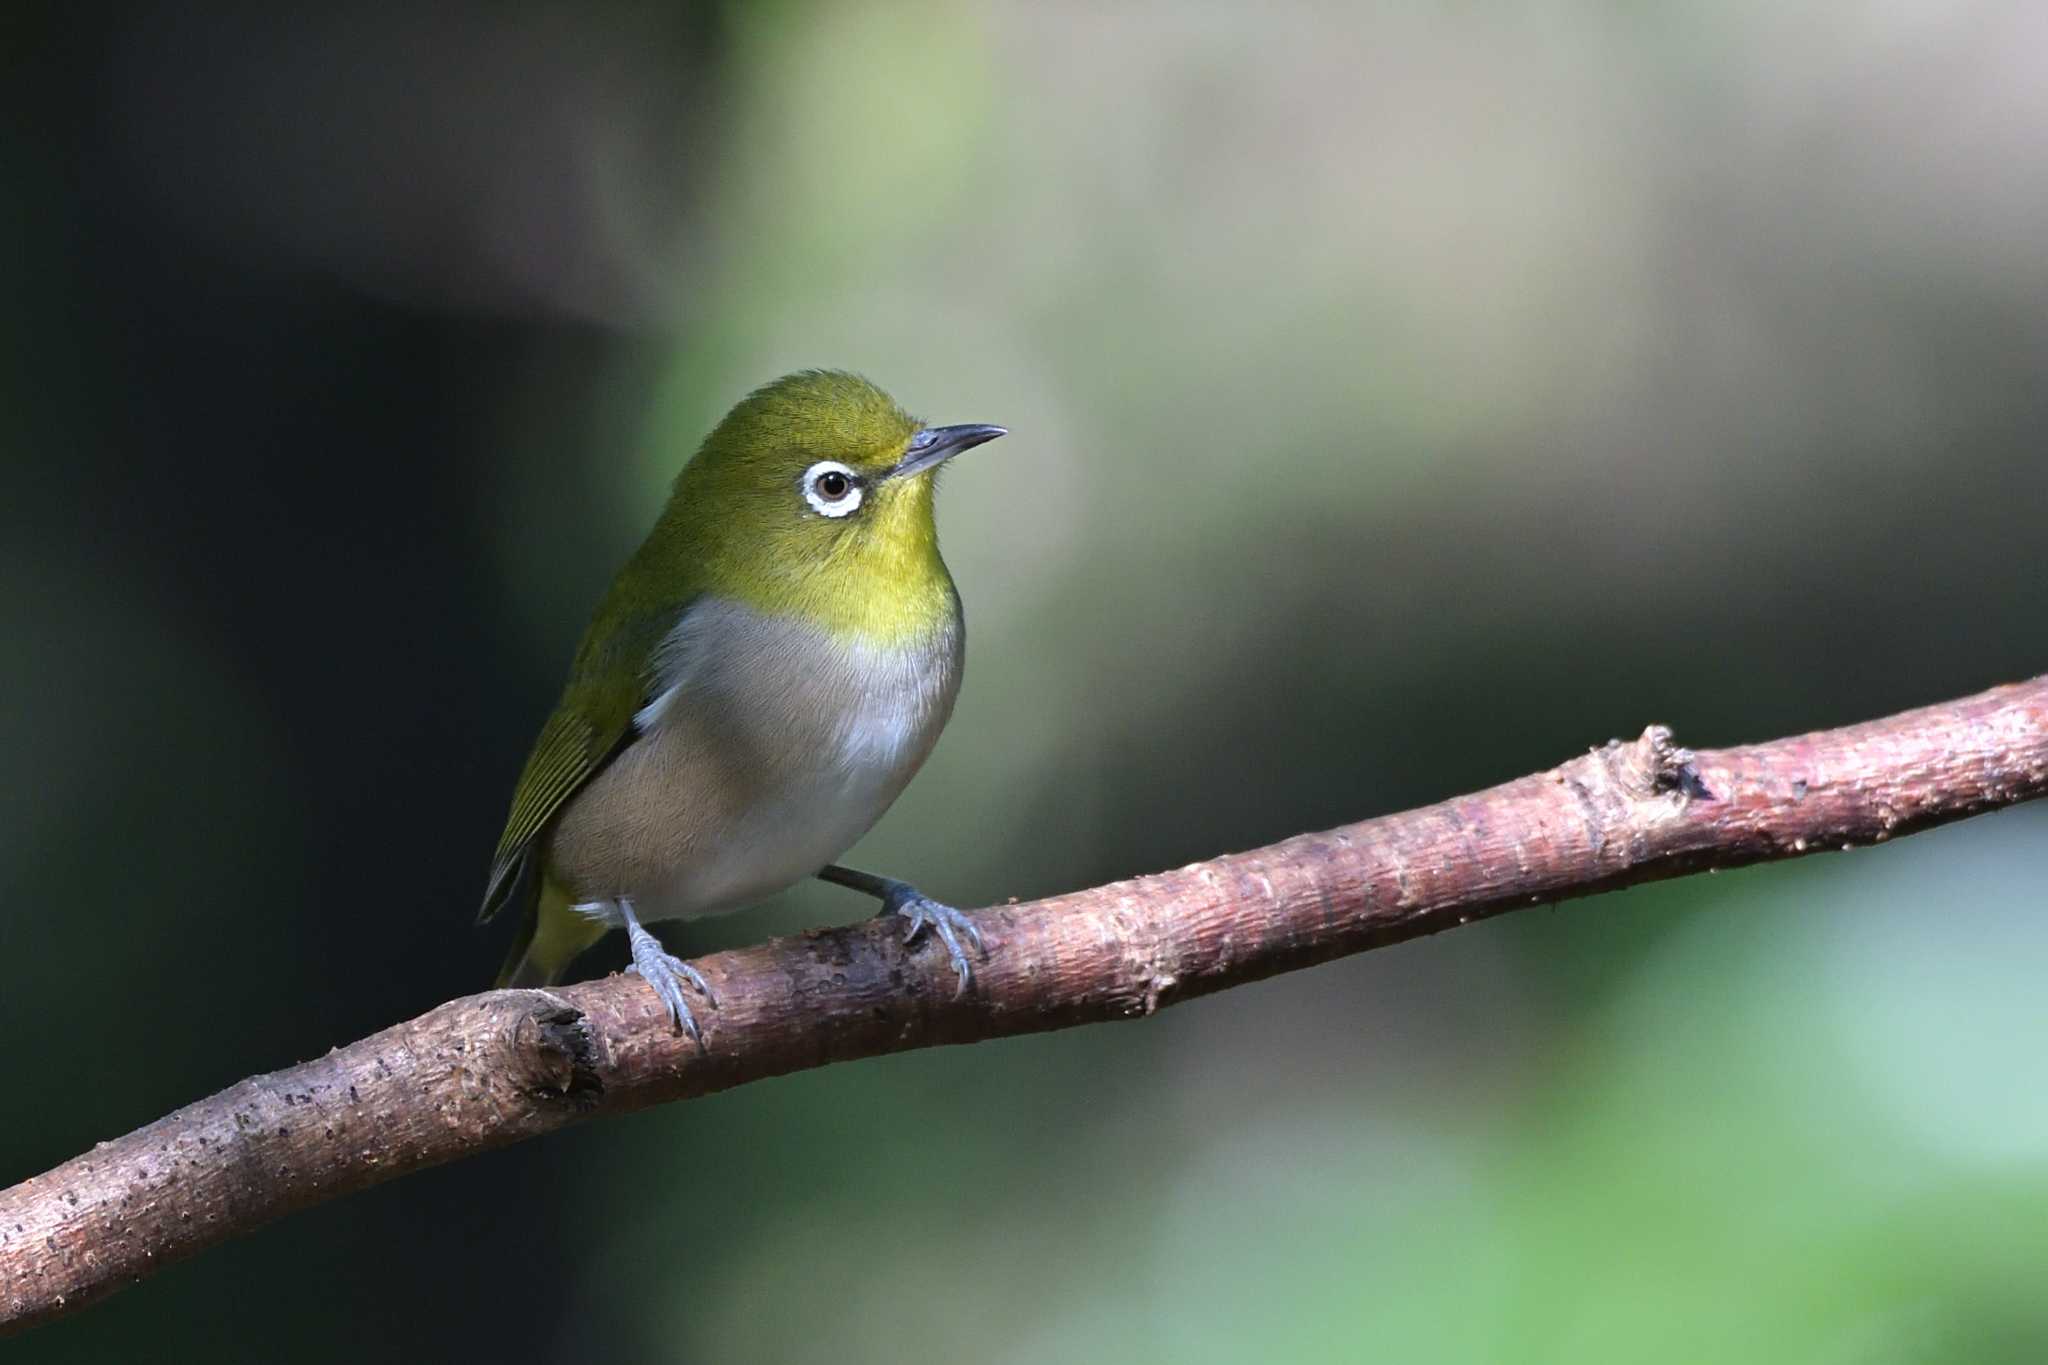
column 813, row 497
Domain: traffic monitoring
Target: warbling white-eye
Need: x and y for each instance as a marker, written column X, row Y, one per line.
column 763, row 678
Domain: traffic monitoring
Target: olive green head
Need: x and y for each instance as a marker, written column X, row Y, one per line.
column 813, row 498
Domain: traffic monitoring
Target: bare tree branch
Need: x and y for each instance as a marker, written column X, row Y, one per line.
column 491, row 1069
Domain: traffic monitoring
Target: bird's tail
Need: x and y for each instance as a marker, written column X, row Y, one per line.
column 552, row 936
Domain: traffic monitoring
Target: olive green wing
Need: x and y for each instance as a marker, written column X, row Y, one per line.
column 608, row 685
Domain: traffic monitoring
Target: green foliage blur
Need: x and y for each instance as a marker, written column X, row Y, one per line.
column 1404, row 397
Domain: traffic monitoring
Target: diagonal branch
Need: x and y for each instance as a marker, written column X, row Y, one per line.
column 487, row 1070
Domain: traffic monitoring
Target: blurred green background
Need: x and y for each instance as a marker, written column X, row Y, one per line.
column 1405, row 397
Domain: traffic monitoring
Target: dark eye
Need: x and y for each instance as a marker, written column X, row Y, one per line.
column 832, row 489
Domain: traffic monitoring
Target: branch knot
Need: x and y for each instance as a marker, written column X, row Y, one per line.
column 1655, row 765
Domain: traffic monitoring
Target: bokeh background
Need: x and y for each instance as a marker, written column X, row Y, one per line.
column 1405, row 397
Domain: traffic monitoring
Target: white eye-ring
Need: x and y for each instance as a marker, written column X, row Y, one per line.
column 832, row 489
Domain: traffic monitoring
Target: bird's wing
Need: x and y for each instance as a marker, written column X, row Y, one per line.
column 609, row 683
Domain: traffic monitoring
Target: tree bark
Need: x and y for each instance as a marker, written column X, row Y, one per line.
column 491, row 1069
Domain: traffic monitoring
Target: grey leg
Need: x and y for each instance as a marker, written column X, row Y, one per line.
column 901, row 898
column 665, row 972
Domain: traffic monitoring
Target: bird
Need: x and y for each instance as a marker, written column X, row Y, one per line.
column 760, row 682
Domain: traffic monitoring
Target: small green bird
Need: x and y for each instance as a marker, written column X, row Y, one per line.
column 762, row 680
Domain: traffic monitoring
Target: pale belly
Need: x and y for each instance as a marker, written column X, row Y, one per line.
column 772, row 750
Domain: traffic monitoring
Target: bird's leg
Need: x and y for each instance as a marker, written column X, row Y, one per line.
column 665, row 972
column 901, row 898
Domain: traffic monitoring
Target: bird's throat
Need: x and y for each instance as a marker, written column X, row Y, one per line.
column 881, row 583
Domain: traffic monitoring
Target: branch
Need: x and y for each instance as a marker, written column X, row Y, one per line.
column 491, row 1069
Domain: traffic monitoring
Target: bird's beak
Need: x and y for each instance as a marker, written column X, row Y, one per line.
column 935, row 445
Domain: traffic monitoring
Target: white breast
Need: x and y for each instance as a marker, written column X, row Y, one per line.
column 806, row 737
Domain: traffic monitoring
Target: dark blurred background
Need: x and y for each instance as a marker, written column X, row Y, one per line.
column 1405, row 397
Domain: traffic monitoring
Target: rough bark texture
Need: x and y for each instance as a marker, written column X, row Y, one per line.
column 489, row 1069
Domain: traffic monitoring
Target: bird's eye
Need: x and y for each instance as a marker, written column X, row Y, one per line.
column 832, row 489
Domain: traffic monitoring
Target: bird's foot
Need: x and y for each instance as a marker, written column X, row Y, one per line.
column 901, row 898
column 666, row 972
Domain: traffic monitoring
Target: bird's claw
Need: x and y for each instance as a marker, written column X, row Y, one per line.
column 666, row 973
column 949, row 924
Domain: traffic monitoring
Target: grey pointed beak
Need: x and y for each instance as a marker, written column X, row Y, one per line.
column 935, row 445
